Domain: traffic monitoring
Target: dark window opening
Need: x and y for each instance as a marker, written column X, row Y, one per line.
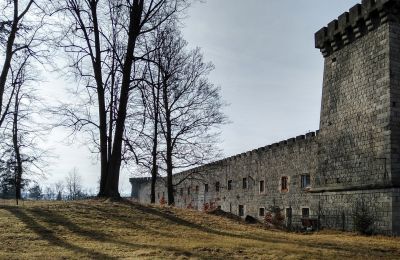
column 284, row 183
column 205, row 187
column 262, row 186
column 261, row 212
column 305, row 212
column 188, row 190
column 288, row 212
column 241, row 210
column 230, row 185
column 305, row 181
column 230, row 207
column 217, row 186
column 197, row 188
column 244, row 183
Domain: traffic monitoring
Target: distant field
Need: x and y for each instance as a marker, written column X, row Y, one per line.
column 107, row 230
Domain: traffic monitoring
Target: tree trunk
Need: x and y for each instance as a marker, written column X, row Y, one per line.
column 115, row 160
column 96, row 63
column 154, row 171
column 8, row 54
column 18, row 169
column 168, row 140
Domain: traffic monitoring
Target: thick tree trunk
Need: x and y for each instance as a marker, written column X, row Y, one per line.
column 114, row 166
column 96, row 63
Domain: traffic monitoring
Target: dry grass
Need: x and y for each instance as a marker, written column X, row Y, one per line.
column 107, row 230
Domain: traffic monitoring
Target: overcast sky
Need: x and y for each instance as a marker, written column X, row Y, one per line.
column 266, row 66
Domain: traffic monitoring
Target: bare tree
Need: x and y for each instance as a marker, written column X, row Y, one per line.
column 20, row 25
column 73, row 184
column 104, row 40
column 182, row 105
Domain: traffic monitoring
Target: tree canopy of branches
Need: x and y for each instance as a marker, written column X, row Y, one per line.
column 183, row 108
column 104, row 40
column 20, row 25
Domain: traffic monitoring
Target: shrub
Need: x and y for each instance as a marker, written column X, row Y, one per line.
column 363, row 219
column 274, row 217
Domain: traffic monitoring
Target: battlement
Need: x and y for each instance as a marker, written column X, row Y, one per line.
column 268, row 148
column 358, row 21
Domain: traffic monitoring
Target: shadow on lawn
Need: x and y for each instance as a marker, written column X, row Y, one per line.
column 53, row 219
column 303, row 243
column 48, row 235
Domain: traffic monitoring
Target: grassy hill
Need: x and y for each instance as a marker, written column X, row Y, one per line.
column 110, row 230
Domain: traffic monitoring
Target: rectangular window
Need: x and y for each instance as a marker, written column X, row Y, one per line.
column 205, row 187
column 217, row 186
column 244, row 183
column 305, row 212
column 284, row 183
column 261, row 212
column 181, row 191
column 288, row 213
column 262, row 186
column 230, row 185
column 188, row 190
column 241, row 210
column 305, row 181
column 230, row 207
column 197, row 188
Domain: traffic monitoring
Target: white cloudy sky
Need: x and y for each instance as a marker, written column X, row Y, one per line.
column 266, row 65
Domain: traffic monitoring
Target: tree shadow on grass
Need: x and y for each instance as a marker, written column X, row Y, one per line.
column 53, row 220
column 49, row 236
column 323, row 245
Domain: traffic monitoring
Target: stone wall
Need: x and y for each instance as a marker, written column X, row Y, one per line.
column 291, row 158
column 354, row 157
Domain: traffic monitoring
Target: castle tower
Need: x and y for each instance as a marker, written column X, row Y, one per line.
column 358, row 155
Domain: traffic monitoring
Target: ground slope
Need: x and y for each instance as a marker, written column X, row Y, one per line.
column 106, row 230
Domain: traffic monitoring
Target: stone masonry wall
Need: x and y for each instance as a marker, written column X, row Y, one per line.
column 291, row 158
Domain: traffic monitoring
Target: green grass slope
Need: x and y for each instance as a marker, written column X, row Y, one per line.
column 124, row 230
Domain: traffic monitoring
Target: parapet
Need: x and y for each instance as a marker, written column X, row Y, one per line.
column 358, row 21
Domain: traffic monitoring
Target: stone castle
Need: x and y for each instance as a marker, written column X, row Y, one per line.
column 355, row 156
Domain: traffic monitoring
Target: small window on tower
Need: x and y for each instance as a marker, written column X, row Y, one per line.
column 205, row 187
column 217, row 186
column 230, row 185
column 284, row 183
column 244, row 183
column 262, row 186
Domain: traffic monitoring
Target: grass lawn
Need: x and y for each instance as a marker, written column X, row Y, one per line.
column 124, row 230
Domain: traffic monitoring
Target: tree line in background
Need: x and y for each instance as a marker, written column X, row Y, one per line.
column 70, row 189
column 141, row 98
